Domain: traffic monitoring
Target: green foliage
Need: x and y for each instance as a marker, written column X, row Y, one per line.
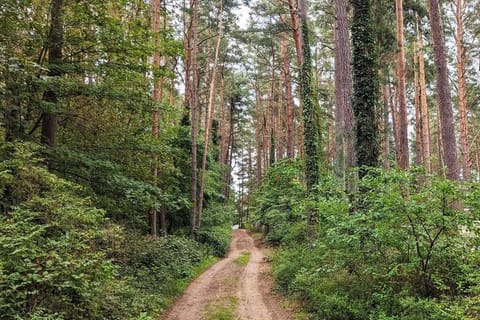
column 410, row 253
column 310, row 114
column 49, row 245
column 61, row 259
column 365, row 84
column 215, row 231
column 151, row 273
column 278, row 202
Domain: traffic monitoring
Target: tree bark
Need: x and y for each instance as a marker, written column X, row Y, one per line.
column 297, row 37
column 426, row 145
column 289, row 103
column 55, row 59
column 344, row 137
column 443, row 89
column 403, row 160
column 210, row 112
column 462, row 93
column 193, row 103
column 157, row 99
column 296, row 29
column 418, row 114
column 223, row 124
column 258, row 135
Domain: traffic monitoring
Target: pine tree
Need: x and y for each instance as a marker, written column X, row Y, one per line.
column 365, row 85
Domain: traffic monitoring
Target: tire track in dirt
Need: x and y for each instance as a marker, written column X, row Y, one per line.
column 249, row 286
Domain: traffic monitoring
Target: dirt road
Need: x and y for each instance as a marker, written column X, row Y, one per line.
column 231, row 289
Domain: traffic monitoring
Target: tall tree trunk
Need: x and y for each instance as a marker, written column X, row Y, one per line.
column 258, row 134
column 280, row 127
column 344, row 137
column 365, row 86
column 310, row 119
column 55, row 57
column 396, row 125
column 209, row 118
column 297, row 37
column 290, row 112
column 296, row 29
column 426, row 145
column 231, row 144
column 271, row 113
column 193, row 100
column 386, row 124
column 223, row 124
column 157, row 99
column 403, row 159
column 443, row 89
column 462, row 93
column 418, row 114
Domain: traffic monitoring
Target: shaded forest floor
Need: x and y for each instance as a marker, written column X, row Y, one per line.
column 237, row 287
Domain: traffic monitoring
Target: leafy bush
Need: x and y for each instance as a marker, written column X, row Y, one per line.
column 61, row 259
column 216, row 238
column 215, row 232
column 409, row 251
column 276, row 204
column 51, row 266
column 151, row 273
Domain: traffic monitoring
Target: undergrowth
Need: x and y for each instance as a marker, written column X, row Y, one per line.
column 406, row 247
column 61, row 257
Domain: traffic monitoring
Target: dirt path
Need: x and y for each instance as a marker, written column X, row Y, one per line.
column 230, row 290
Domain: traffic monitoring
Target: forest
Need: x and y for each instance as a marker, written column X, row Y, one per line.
column 135, row 134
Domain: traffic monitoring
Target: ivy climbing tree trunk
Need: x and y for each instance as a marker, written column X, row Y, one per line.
column 443, row 89
column 365, row 86
column 55, row 47
column 309, row 117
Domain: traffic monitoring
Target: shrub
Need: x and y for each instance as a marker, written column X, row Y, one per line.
column 409, row 251
column 278, row 202
column 51, row 266
column 216, row 238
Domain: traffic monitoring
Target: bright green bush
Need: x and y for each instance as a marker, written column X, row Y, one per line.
column 410, row 250
column 216, row 231
column 277, row 203
column 217, row 239
column 51, row 266
column 61, row 259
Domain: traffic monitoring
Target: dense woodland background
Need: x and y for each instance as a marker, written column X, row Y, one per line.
column 135, row 133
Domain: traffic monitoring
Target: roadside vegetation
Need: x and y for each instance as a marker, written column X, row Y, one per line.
column 407, row 249
column 63, row 257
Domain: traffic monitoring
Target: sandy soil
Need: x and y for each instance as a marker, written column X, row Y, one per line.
column 246, row 291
